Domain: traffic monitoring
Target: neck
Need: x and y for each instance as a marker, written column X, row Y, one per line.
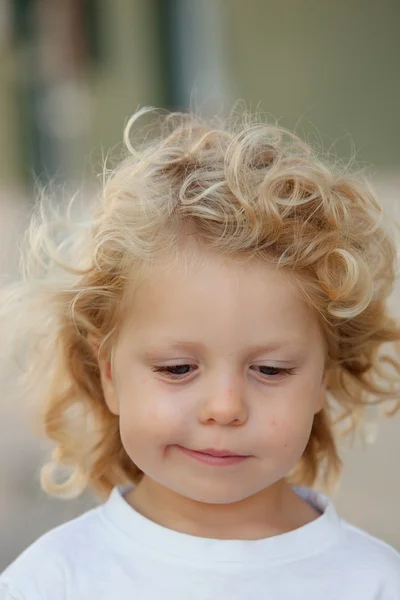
column 273, row 511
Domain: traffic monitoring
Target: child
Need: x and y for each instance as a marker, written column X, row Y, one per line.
column 193, row 346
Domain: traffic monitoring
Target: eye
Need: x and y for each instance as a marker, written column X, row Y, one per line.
column 274, row 372
column 181, row 371
column 175, row 371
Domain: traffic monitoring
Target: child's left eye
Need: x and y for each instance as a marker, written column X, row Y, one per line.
column 273, row 372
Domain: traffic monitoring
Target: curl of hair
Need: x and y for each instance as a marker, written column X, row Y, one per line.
column 245, row 189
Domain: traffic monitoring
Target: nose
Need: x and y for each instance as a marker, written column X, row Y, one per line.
column 224, row 404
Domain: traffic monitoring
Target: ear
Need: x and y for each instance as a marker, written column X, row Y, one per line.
column 321, row 395
column 106, row 376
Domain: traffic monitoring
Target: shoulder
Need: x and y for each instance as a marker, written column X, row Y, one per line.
column 369, row 547
column 60, row 550
column 371, row 554
column 355, row 544
column 354, row 554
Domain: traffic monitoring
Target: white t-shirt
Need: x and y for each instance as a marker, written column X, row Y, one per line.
column 114, row 553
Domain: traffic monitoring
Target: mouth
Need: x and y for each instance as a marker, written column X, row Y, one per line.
column 221, row 453
column 214, row 457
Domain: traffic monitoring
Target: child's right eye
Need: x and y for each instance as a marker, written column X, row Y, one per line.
column 174, row 371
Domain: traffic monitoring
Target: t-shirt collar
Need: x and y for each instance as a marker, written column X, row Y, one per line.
column 308, row 540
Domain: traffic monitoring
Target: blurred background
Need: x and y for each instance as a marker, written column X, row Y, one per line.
column 73, row 71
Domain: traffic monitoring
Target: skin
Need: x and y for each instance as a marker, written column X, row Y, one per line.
column 239, row 324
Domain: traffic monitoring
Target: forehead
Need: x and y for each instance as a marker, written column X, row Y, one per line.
column 196, row 289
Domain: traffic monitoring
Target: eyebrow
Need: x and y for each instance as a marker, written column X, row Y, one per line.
column 256, row 349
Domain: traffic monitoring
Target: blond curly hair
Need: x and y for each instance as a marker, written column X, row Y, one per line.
column 245, row 189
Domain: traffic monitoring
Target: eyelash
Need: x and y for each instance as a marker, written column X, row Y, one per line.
column 174, row 376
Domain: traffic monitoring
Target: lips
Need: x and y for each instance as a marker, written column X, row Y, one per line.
column 220, row 453
column 214, row 457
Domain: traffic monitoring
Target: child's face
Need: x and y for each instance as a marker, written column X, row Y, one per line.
column 224, row 330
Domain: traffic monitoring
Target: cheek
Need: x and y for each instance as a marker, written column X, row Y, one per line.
column 286, row 430
column 289, row 420
column 148, row 412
